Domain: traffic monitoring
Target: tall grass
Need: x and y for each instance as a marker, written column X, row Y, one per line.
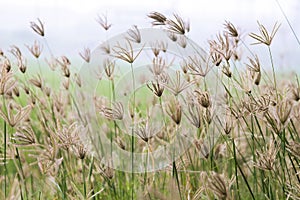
column 243, row 128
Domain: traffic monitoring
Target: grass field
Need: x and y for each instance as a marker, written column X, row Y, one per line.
column 227, row 127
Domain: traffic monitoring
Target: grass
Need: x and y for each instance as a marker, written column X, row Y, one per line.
column 209, row 124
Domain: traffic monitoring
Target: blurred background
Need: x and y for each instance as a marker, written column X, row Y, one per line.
column 71, row 25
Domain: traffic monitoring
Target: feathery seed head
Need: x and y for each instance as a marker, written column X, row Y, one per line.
column 38, row 27
column 265, row 37
column 158, row 18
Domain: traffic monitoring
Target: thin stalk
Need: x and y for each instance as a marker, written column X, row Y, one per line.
column 262, row 179
column 4, row 150
column 39, row 66
column 246, row 181
column 253, row 154
column 235, row 167
column 288, row 21
column 91, row 170
column 283, row 146
column 174, row 171
column 162, row 110
column 31, row 185
column 146, row 164
column 273, row 71
column 48, row 47
column 63, row 181
column 132, row 133
column 241, row 171
column 4, row 159
column 83, row 178
column 22, row 175
column 20, row 187
column 115, row 123
column 259, row 128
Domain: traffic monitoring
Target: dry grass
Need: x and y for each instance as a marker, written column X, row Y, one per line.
column 256, row 154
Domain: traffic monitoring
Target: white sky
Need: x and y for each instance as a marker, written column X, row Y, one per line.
column 70, row 24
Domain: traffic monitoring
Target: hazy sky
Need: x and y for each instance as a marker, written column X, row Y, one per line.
column 71, row 25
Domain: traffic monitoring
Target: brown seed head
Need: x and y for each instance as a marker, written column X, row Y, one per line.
column 182, row 41
column 203, row 98
column 134, row 34
column 109, row 67
column 177, row 26
column 254, row 64
column 145, row 131
column 267, row 156
column 7, row 81
column 6, row 64
column 158, row 18
column 172, row 36
column 157, row 86
column 158, row 66
column 24, row 136
column 102, row 20
column 194, row 114
column 177, row 85
column 15, row 114
column 174, row 110
column 218, row 185
column 294, row 148
column 86, row 55
column 283, row 110
column 265, row 37
column 126, row 53
column 230, row 29
column 294, row 92
column 202, row 148
column 38, row 27
column 114, row 113
column 155, row 47
column 35, row 49
column 37, row 81
column 105, row 47
column 226, row 70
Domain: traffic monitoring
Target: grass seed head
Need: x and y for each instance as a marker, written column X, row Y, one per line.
column 158, row 18
column 134, row 34
column 283, row 110
column 194, row 114
column 109, row 67
column 156, row 88
column 174, row 110
column 265, row 37
column 38, row 27
column 36, row 49
column 24, row 136
column 266, row 158
column 86, row 55
column 126, row 53
column 198, row 65
column 102, row 20
column 158, row 66
column 177, row 26
column 230, row 29
column 177, row 85
column 218, row 185
column 203, row 98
